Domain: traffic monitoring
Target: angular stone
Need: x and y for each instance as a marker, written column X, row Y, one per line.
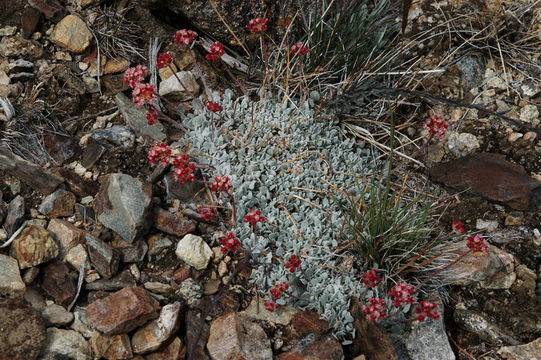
column 65, row 344
column 117, row 135
column 122, row 204
column 157, row 332
column 172, row 224
column 134, row 253
column 123, row 280
column 135, row 117
column 56, row 315
column 177, row 91
column 233, row 336
column 34, row 175
column 122, row 311
column 61, row 147
column 309, row 321
column 102, row 255
column 78, row 258
column 461, row 144
column 11, row 284
column 111, row 347
column 158, row 287
column 34, row 246
column 158, row 245
column 72, row 33
column 116, row 65
column 77, row 184
column 66, row 235
column 194, row 251
column 482, row 326
column 494, row 270
column 114, row 84
column 92, row 153
column 80, row 323
column 16, row 46
column 30, row 275
column 15, row 215
column 490, row 176
column 23, row 331
column 529, row 351
column 174, row 351
column 58, row 283
column 58, row 204
column 315, row 347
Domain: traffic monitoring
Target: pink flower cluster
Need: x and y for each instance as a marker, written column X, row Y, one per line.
column 371, row 278
column 135, row 75
column 401, row 293
column 164, row 60
column 152, row 117
column 293, row 264
column 270, row 306
column 436, row 126
column 253, row 217
column 159, row 152
column 458, row 227
column 214, row 106
column 184, row 37
column 477, row 244
column 229, row 243
column 144, row 94
column 184, row 170
column 427, row 309
column 215, row 52
column 376, row 310
column 221, row 183
column 299, row 49
column 257, row 25
column 279, row 289
column 206, row 214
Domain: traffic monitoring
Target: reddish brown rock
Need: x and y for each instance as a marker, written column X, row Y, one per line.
column 315, row 347
column 34, row 246
column 115, row 347
column 172, row 224
column 66, row 235
column 197, row 334
column 78, row 185
column 234, row 336
column 22, row 329
column 58, row 283
column 182, row 274
column 490, row 176
column 309, row 321
column 122, row 311
column 174, row 351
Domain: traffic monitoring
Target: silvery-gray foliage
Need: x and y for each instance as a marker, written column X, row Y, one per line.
column 287, row 160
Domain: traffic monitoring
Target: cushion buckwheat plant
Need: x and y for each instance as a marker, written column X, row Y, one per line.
column 286, row 162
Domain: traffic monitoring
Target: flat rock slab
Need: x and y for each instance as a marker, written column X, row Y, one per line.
column 65, row 344
column 25, row 328
column 156, row 333
column 34, row 175
column 122, row 311
column 527, row 351
column 491, row 176
column 315, row 347
column 11, row 284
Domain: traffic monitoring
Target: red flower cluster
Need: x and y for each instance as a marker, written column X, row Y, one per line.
column 184, row 169
column 436, row 126
column 159, row 152
column 371, row 278
column 135, row 75
column 376, row 310
column 253, row 217
column 258, row 24
column 427, row 309
column 215, row 52
column 214, row 106
column 207, row 213
column 458, row 227
column 401, row 293
column 299, row 48
column 221, row 183
column 294, row 263
column 184, row 37
column 270, row 306
column 229, row 243
column 164, row 60
column 144, row 94
column 278, row 290
column 477, row 244
column 152, row 117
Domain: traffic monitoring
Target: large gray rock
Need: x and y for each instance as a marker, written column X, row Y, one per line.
column 135, row 118
column 65, row 344
column 428, row 338
column 11, row 284
column 122, row 204
column 117, row 135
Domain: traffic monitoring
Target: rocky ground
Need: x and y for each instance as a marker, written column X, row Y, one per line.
column 100, row 257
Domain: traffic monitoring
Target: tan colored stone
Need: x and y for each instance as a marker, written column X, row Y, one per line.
column 529, row 351
column 72, row 33
column 158, row 332
column 175, row 351
column 66, row 234
column 114, row 347
column 116, row 65
column 34, row 246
